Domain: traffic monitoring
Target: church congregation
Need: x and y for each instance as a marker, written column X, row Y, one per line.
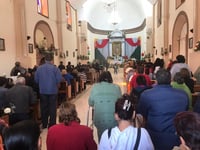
column 156, row 98
column 100, row 75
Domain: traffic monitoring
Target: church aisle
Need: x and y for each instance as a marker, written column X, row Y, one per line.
column 81, row 102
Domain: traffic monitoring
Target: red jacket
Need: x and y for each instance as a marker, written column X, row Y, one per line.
column 134, row 83
column 72, row 137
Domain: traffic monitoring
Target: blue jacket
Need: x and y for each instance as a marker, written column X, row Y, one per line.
column 48, row 77
column 159, row 106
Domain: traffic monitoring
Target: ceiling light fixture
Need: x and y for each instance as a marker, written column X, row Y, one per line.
column 111, row 7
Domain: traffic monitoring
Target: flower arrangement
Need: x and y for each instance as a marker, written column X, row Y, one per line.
column 197, row 46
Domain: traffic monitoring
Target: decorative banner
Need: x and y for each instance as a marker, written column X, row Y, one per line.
column 132, row 48
column 133, row 41
column 101, row 43
column 131, row 45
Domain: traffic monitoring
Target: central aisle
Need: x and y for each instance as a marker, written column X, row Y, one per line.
column 81, row 102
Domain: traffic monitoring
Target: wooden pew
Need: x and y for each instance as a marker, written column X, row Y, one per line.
column 35, row 111
column 65, row 89
column 197, row 88
column 81, row 85
column 69, row 92
column 74, row 87
column 195, row 94
column 90, row 77
column 194, row 98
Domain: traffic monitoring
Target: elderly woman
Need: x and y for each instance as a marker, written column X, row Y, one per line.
column 69, row 134
column 125, row 135
column 187, row 126
column 102, row 98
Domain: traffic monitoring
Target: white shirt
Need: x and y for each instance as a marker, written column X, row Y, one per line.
column 177, row 67
column 125, row 140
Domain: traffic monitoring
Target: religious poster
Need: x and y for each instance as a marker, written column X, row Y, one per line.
column 116, row 49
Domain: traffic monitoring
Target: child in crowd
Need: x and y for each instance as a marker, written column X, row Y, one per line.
column 115, row 68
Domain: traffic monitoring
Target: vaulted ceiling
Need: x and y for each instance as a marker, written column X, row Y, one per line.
column 131, row 13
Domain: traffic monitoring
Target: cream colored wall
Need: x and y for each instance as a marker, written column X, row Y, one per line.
column 189, row 8
column 69, row 37
column 30, row 18
column 149, row 30
column 158, row 34
column 7, row 57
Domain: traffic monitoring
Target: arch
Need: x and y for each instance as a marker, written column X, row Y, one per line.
column 181, row 24
column 41, row 30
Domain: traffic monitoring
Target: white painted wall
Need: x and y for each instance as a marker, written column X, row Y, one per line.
column 7, row 32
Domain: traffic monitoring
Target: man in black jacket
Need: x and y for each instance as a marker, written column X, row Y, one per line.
column 20, row 97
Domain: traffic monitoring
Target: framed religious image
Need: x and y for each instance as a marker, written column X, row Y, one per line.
column 2, row 44
column 170, row 48
column 30, row 48
column 190, row 42
column 66, row 53
column 116, row 48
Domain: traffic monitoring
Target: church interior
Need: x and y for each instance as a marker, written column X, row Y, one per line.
column 98, row 31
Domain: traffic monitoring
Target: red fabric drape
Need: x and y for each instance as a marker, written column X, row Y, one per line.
column 102, row 45
column 132, row 43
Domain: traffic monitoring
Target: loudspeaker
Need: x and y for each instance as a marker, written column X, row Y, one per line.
column 28, row 37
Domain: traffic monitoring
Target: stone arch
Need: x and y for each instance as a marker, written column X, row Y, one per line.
column 41, row 30
column 181, row 25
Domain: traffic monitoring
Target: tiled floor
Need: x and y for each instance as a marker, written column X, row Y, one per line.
column 81, row 102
